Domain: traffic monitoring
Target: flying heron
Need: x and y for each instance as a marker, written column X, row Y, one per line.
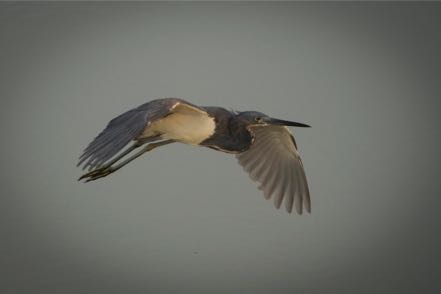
column 264, row 146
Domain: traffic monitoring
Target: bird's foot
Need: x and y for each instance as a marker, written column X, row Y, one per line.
column 97, row 173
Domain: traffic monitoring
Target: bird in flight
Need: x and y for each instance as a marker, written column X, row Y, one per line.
column 264, row 146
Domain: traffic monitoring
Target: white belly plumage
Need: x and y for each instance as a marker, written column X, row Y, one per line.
column 189, row 128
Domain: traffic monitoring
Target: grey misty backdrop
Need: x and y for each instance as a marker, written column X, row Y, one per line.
column 364, row 76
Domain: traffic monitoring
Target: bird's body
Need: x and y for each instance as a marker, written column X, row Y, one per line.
column 184, row 124
column 264, row 146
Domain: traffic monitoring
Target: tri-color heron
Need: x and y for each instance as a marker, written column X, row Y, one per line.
column 264, row 146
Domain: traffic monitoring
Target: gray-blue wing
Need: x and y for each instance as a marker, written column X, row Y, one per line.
column 274, row 162
column 125, row 128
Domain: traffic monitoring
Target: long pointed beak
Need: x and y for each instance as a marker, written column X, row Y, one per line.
column 275, row 121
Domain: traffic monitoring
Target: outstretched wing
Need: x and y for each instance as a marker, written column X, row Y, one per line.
column 274, row 162
column 127, row 127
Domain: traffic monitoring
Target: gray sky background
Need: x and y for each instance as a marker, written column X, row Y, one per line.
column 189, row 220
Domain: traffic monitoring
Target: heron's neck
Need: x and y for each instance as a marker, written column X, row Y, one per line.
column 231, row 135
column 240, row 136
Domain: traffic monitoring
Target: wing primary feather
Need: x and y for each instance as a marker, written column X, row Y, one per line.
column 298, row 202
column 289, row 200
column 280, row 190
column 273, row 182
column 266, row 175
column 303, row 189
column 306, row 196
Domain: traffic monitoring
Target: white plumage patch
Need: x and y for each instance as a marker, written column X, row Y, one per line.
column 185, row 124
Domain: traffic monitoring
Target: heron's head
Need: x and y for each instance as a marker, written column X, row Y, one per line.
column 255, row 118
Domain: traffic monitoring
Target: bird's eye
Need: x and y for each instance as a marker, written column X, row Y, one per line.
column 258, row 119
